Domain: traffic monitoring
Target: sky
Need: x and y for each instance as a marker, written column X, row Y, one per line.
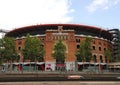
column 20, row 13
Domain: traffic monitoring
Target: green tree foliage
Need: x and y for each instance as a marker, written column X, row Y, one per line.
column 1, row 51
column 8, row 49
column 33, row 49
column 84, row 52
column 108, row 55
column 27, row 48
column 59, row 52
column 80, row 53
column 88, row 49
column 38, row 49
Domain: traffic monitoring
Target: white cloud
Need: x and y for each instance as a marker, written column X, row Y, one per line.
column 101, row 4
column 18, row 13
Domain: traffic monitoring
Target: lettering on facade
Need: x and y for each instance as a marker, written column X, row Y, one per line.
column 60, row 35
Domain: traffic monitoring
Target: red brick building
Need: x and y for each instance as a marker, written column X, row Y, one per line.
column 71, row 36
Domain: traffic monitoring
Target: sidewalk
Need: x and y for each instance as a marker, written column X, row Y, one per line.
column 60, row 83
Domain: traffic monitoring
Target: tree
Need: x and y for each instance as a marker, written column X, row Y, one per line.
column 84, row 52
column 26, row 51
column 108, row 56
column 8, row 49
column 33, row 49
column 59, row 52
column 80, row 53
column 1, row 51
column 88, row 49
column 38, row 49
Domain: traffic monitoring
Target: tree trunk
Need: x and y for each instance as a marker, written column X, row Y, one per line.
column 10, row 67
column 22, row 67
column 36, row 67
column 95, row 67
column 30, row 66
column 89, row 64
column 107, row 65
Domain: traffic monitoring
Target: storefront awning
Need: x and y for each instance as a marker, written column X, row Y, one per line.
column 81, row 63
column 25, row 63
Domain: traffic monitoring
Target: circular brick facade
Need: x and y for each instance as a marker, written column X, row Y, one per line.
column 70, row 34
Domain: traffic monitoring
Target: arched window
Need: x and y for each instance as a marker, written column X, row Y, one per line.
column 99, row 48
column 19, row 48
column 101, row 60
column 94, row 58
column 93, row 47
column 104, row 49
column 78, row 46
